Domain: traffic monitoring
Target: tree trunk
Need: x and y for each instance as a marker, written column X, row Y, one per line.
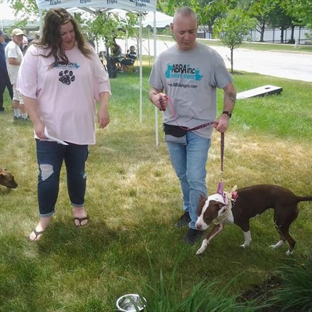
column 262, row 29
column 282, row 35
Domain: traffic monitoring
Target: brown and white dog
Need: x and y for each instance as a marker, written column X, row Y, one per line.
column 7, row 179
column 239, row 206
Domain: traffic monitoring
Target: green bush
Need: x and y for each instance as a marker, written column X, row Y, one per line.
column 295, row 293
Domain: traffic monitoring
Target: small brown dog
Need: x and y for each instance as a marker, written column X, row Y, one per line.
column 245, row 204
column 7, row 179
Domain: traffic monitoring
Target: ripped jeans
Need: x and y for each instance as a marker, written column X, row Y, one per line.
column 50, row 157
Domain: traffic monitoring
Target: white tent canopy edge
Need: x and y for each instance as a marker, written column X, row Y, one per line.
column 129, row 5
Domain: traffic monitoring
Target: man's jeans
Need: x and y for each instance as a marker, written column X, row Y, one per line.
column 189, row 162
column 50, row 156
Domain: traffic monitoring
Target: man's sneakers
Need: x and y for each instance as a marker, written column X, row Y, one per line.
column 192, row 236
column 184, row 220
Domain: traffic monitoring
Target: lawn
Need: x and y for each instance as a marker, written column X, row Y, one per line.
column 133, row 199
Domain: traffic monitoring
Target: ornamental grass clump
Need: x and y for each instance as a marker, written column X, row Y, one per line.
column 295, row 293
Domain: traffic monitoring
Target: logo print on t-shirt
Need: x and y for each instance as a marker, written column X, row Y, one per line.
column 183, row 71
column 66, row 77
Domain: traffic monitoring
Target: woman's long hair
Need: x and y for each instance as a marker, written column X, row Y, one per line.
column 51, row 38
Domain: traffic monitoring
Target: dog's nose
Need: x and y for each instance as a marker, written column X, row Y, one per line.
column 198, row 225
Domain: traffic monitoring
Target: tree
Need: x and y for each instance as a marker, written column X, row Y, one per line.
column 262, row 16
column 278, row 18
column 233, row 29
column 208, row 13
column 301, row 10
column 25, row 11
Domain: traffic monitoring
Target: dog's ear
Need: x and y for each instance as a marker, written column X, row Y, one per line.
column 201, row 203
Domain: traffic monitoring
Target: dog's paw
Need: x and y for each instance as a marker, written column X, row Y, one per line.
column 277, row 245
column 289, row 252
column 200, row 251
column 202, row 247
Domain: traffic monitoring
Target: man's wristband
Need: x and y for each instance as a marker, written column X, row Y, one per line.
column 227, row 113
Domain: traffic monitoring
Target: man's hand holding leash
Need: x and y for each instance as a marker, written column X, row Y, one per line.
column 222, row 123
column 159, row 99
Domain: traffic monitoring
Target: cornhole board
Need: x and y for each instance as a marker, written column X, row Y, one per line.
column 257, row 92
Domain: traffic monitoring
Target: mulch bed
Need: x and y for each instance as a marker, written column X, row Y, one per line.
column 263, row 292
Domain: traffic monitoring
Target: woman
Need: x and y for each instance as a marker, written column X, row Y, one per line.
column 60, row 79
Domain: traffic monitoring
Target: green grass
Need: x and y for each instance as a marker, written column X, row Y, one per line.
column 133, row 199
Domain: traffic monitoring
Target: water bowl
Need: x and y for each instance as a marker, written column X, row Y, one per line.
column 130, row 303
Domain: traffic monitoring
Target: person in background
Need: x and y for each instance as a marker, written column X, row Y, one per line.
column 183, row 81
column 4, row 76
column 131, row 53
column 116, row 53
column 61, row 78
column 14, row 57
column 129, row 60
column 24, row 45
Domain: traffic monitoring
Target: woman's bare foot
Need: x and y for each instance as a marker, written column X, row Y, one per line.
column 80, row 216
column 36, row 234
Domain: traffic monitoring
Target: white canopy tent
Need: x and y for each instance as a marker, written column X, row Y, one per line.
column 162, row 20
column 92, row 6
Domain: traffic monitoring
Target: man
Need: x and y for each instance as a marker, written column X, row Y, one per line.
column 14, row 57
column 4, row 77
column 183, row 83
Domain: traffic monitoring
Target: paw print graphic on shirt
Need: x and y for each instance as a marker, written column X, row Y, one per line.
column 66, row 77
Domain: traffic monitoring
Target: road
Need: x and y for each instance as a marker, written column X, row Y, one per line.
column 290, row 65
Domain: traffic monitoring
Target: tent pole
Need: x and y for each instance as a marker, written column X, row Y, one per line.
column 155, row 55
column 141, row 74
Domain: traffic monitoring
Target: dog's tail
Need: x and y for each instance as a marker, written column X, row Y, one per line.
column 304, row 198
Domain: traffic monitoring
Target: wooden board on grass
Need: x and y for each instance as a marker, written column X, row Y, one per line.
column 261, row 91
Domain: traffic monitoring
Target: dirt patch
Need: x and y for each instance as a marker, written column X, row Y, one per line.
column 262, row 293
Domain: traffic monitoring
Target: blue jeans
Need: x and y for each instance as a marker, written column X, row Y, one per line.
column 189, row 163
column 50, row 157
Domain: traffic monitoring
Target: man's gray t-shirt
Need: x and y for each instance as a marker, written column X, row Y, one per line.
column 189, row 79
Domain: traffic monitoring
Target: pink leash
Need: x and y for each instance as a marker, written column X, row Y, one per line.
column 175, row 117
column 220, row 189
column 222, row 154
